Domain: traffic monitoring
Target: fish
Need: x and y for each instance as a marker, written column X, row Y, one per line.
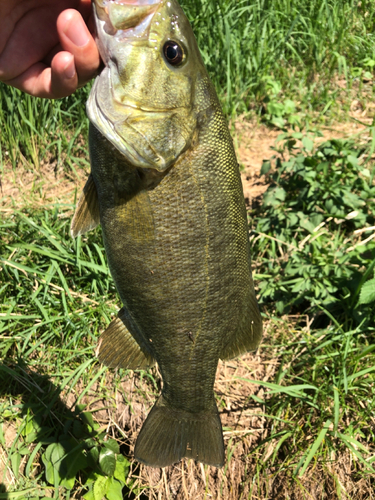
column 166, row 188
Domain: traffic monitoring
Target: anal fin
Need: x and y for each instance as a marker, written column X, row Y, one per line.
column 86, row 216
column 249, row 332
column 117, row 348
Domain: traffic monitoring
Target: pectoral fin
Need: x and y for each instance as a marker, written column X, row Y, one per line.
column 86, row 216
column 117, row 348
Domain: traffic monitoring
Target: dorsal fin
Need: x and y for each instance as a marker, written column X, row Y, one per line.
column 86, row 216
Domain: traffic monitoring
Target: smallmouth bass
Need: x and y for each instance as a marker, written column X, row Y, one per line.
column 166, row 188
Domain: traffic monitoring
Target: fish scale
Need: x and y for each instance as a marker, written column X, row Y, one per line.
column 175, row 233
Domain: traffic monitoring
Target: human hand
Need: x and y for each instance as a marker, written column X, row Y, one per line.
column 46, row 48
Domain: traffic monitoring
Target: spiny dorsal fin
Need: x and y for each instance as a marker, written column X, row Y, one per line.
column 86, row 216
column 117, row 348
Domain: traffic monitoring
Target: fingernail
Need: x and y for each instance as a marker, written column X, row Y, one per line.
column 76, row 34
column 70, row 70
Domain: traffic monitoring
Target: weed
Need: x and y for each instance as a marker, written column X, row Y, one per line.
column 314, row 233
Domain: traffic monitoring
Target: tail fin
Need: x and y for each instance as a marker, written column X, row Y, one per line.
column 169, row 434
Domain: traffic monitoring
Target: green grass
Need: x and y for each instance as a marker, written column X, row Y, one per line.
column 278, row 58
column 56, row 295
column 36, row 131
column 251, row 45
column 262, row 55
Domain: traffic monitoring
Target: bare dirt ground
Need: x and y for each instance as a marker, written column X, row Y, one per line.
column 46, row 187
column 242, row 418
column 256, row 143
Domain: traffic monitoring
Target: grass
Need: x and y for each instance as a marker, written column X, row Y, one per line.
column 298, row 415
column 251, row 44
column 39, row 131
column 49, row 320
column 62, row 415
column 262, row 56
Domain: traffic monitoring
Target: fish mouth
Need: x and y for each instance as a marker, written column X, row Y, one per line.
column 127, row 18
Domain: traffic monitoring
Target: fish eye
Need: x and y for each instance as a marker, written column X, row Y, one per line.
column 173, row 53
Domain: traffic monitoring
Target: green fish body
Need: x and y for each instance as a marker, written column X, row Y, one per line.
column 166, row 188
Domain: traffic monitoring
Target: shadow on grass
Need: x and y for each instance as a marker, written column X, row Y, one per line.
column 66, row 440
column 3, row 494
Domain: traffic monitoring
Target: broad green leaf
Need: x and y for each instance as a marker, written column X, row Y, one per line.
column 289, row 106
column 89, row 495
column 78, row 429
column 107, row 461
column 280, row 194
column 87, row 418
column 76, row 461
column 308, row 144
column 49, row 469
column 278, row 121
column 275, row 108
column 367, row 294
column 114, row 491
column 101, row 487
column 57, row 455
column 67, row 483
column 92, row 477
column 122, row 468
column 266, row 167
column 16, row 461
column 112, row 445
column 93, row 456
column 90, row 443
column 353, row 160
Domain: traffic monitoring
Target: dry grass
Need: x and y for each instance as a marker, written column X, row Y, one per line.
column 249, row 472
column 124, row 410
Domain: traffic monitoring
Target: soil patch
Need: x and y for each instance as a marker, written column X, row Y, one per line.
column 45, row 187
column 124, row 411
column 256, row 143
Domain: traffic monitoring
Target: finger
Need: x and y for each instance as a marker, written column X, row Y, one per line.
column 32, row 37
column 59, row 80
column 64, row 78
column 77, row 39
